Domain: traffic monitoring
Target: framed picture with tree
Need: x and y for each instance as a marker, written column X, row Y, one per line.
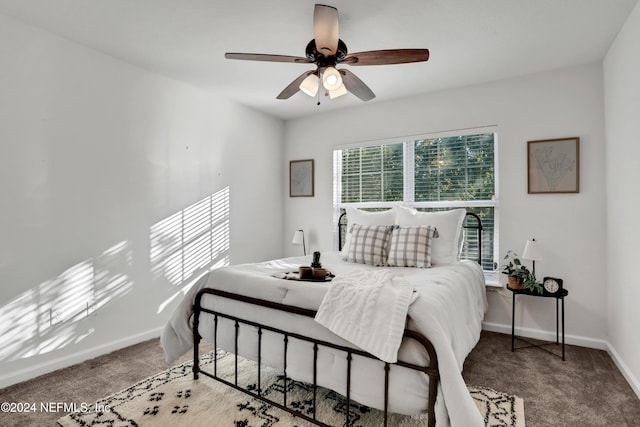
column 553, row 165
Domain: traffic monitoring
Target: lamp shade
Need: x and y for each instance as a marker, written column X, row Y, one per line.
column 310, row 85
column 532, row 251
column 298, row 237
column 331, row 79
column 341, row 90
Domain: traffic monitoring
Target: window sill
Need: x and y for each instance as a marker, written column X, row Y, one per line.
column 491, row 279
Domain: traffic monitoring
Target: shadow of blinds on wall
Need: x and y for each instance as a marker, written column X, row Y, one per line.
column 195, row 238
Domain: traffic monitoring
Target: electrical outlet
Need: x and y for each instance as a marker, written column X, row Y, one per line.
column 92, row 308
column 56, row 316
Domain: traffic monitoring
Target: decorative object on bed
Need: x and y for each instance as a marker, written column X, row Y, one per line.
column 309, row 275
column 445, row 219
column 553, row 165
column 247, row 311
column 446, row 248
column 305, row 272
column 362, row 217
column 369, row 244
column 411, row 246
column 368, row 309
column 298, row 239
column 301, row 178
column 319, row 273
column 316, row 260
column 172, row 398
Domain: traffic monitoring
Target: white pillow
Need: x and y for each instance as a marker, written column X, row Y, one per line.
column 445, row 249
column 358, row 216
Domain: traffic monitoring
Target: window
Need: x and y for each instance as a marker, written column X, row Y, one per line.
column 429, row 172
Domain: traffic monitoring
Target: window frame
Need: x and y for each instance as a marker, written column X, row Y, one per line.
column 409, row 180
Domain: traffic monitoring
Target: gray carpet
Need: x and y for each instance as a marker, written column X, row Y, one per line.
column 586, row 390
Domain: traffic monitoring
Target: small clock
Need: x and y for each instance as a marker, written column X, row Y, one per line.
column 552, row 285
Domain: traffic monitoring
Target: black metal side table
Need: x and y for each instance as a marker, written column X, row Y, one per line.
column 559, row 301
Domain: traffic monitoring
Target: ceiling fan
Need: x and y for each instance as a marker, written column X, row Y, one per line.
column 326, row 51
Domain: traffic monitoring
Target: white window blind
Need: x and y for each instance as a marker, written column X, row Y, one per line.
column 372, row 174
column 454, row 168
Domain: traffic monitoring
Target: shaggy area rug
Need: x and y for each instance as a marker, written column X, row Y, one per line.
column 172, row 398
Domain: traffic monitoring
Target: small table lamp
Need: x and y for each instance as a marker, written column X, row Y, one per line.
column 532, row 251
column 298, row 239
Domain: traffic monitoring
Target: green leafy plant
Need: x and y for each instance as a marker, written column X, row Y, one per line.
column 514, row 268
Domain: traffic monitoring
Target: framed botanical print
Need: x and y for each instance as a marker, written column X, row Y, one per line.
column 553, row 165
column 301, row 181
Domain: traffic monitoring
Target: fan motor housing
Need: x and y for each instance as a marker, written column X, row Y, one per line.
column 325, row 61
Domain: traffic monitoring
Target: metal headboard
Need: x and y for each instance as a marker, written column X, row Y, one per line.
column 476, row 225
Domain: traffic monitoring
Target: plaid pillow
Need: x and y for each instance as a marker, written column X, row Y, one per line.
column 411, row 246
column 369, row 244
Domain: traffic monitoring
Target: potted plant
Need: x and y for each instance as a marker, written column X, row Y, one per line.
column 519, row 275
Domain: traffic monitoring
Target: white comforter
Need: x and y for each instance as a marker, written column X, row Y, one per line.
column 449, row 310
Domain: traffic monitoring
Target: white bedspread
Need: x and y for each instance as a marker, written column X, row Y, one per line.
column 448, row 309
column 368, row 309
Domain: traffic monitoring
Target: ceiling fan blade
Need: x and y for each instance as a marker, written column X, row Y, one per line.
column 325, row 29
column 293, row 87
column 356, row 86
column 385, row 57
column 266, row 57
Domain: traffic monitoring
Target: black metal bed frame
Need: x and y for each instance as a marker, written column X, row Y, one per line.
column 431, row 368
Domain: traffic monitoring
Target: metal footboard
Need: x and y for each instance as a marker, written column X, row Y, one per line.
column 431, row 370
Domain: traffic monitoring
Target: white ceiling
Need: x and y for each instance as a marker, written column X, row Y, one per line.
column 470, row 41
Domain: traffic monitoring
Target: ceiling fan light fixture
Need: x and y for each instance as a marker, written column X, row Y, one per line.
column 326, row 51
column 310, row 85
column 331, row 79
column 341, row 90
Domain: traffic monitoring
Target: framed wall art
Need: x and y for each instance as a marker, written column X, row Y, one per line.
column 301, row 178
column 554, row 165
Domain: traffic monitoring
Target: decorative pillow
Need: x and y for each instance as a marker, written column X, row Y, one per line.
column 358, row 216
column 445, row 249
column 411, row 246
column 369, row 244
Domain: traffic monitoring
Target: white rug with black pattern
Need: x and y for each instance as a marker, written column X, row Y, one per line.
column 172, row 398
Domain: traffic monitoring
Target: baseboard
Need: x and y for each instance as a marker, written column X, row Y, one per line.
column 546, row 335
column 71, row 359
column 624, row 369
column 572, row 340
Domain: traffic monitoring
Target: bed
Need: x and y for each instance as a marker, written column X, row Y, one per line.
column 251, row 311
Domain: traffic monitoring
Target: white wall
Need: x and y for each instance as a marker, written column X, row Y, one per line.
column 622, row 108
column 569, row 227
column 95, row 154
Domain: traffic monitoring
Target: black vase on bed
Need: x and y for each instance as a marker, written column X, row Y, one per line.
column 316, row 260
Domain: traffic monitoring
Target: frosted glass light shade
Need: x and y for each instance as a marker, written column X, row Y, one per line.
column 338, row 92
column 532, row 251
column 310, row 85
column 331, row 79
